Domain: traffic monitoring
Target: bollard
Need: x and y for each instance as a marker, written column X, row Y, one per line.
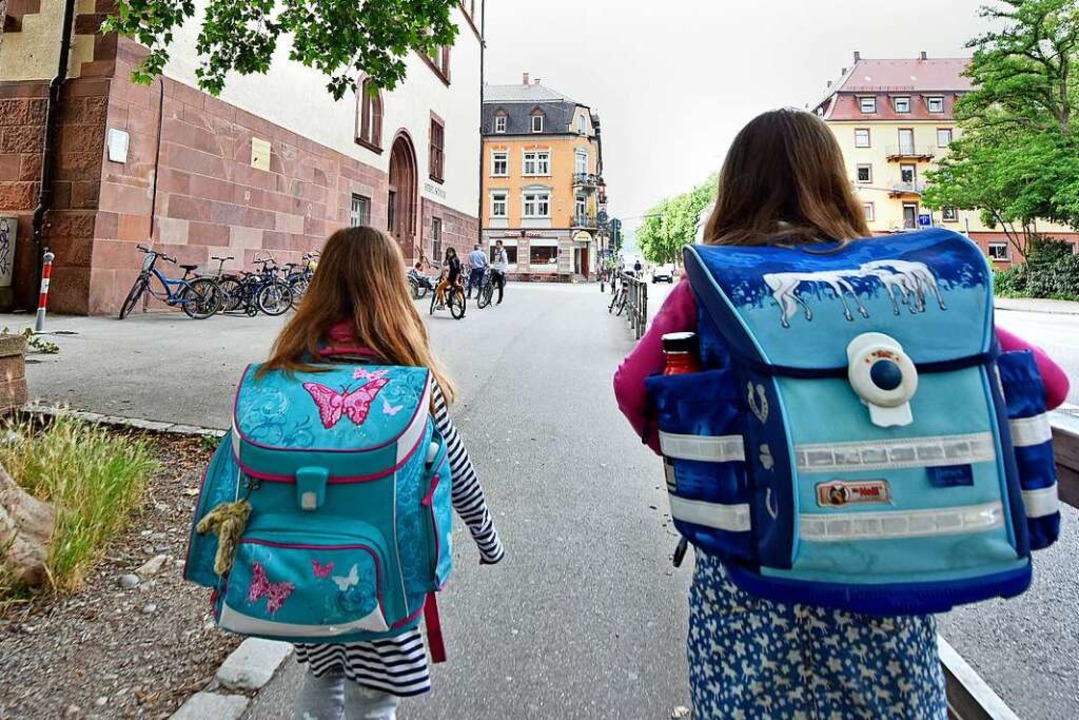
column 43, row 299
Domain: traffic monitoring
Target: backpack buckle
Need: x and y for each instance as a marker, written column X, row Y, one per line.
column 311, row 487
column 884, row 377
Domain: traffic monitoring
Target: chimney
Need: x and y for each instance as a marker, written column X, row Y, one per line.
column 857, row 56
column 536, row 81
column 843, row 72
column 525, row 79
column 829, row 83
column 925, row 55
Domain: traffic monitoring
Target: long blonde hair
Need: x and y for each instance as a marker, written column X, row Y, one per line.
column 784, row 182
column 360, row 279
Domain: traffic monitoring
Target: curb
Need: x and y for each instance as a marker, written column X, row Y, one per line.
column 247, row 670
column 1037, row 309
column 124, row 422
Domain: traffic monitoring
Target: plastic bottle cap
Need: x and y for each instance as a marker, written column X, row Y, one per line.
column 680, row 342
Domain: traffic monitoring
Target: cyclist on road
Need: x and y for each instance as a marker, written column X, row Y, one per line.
column 477, row 263
column 637, row 267
column 451, row 275
column 499, row 267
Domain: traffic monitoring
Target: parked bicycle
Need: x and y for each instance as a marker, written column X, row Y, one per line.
column 261, row 291
column 198, row 297
column 619, row 298
column 299, row 280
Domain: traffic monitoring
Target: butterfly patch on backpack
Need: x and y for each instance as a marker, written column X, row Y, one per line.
column 355, row 404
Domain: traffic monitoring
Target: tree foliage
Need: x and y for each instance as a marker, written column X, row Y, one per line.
column 672, row 223
column 1017, row 160
column 343, row 39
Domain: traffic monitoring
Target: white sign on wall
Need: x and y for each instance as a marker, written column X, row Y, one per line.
column 9, row 227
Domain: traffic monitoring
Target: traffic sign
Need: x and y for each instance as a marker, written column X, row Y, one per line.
column 925, row 220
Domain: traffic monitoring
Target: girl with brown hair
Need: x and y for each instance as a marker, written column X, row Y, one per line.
column 358, row 306
column 784, row 182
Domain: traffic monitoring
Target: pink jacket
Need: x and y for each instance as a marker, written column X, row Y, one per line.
column 679, row 314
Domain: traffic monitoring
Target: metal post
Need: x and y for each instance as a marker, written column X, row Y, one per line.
column 43, row 298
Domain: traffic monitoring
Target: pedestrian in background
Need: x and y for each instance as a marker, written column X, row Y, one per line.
column 499, row 268
column 784, row 181
column 477, row 263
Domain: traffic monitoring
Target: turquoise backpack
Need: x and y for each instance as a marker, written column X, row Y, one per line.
column 347, row 532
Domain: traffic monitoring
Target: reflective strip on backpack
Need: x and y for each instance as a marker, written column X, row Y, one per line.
column 732, row 518
column 703, row 448
column 938, row 451
column 1027, row 432
column 1041, row 502
column 910, row 524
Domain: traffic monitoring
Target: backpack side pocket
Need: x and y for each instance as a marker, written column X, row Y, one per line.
column 700, row 432
column 220, row 484
column 1032, row 440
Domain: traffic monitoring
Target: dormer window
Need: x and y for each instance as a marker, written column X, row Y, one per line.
column 935, row 104
column 537, row 122
column 868, row 105
column 580, row 125
column 901, row 104
column 500, row 123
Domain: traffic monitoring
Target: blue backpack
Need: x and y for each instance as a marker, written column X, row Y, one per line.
column 345, row 531
column 856, row 440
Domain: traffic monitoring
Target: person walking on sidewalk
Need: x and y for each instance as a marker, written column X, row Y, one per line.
column 358, row 301
column 499, row 268
column 477, row 263
column 784, row 182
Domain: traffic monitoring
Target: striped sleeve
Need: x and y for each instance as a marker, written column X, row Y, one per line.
column 468, row 498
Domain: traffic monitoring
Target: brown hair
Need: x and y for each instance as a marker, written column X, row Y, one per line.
column 784, row 181
column 360, row 279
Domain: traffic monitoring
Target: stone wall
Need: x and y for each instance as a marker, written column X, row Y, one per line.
column 459, row 231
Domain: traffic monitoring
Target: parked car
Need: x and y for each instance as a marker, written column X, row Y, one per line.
column 663, row 272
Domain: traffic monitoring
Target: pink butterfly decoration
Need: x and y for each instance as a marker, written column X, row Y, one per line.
column 277, row 593
column 365, row 374
column 391, row 411
column 322, row 571
column 355, row 404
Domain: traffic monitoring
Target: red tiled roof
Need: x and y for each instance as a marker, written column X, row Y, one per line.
column 932, row 75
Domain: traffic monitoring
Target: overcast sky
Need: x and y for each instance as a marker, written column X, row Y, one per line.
column 675, row 80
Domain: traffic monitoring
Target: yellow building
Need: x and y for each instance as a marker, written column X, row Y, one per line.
column 894, row 120
column 543, row 189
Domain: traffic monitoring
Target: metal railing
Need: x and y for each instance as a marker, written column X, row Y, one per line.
column 585, row 180
column 924, row 152
column 636, row 311
column 969, row 698
column 589, row 222
column 913, row 188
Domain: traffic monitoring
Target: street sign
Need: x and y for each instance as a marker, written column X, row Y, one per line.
column 925, row 220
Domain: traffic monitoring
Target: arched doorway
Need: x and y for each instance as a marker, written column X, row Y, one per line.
column 401, row 203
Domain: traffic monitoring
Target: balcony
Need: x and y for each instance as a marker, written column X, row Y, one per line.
column 587, row 181
column 904, row 151
column 906, row 188
column 585, row 222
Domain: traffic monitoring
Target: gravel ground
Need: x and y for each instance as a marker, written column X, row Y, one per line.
column 110, row 652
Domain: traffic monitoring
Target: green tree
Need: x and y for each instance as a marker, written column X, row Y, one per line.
column 1017, row 160
column 672, row 224
column 341, row 38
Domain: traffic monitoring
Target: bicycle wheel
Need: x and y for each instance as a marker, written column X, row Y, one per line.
column 201, row 299
column 486, row 293
column 456, row 301
column 274, row 298
column 621, row 305
column 298, row 285
column 232, row 294
column 133, row 296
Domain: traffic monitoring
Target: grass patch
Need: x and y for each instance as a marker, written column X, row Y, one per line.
column 93, row 478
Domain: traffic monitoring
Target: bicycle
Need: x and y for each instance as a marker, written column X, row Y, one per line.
column 198, row 297
column 455, row 301
column 487, row 289
column 228, row 283
column 268, row 292
column 618, row 299
column 299, row 280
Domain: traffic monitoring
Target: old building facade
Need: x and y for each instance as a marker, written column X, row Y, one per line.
column 273, row 164
column 543, row 191
column 894, row 120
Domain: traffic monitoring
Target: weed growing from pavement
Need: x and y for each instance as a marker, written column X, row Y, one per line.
column 210, row 442
column 93, row 478
column 34, row 341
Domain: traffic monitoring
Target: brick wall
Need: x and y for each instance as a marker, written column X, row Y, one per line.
column 459, row 231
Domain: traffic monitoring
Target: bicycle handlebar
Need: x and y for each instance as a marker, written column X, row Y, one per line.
column 160, row 254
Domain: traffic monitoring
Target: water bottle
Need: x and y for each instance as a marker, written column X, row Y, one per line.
column 681, row 351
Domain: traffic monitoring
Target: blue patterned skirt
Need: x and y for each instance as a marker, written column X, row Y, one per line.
column 755, row 659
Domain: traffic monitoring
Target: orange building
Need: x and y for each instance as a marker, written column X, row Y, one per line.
column 543, row 190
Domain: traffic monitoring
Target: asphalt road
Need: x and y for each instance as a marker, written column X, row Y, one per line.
column 586, row 618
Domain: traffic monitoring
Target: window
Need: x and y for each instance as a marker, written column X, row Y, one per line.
column 580, row 207
column 537, row 205
column 537, row 163
column 908, row 173
column 998, row 251
column 865, row 173
column 580, row 125
column 868, row 105
column 369, row 127
column 436, row 239
column 906, row 141
column 439, row 60
column 944, row 137
column 935, row 104
column 861, row 137
column 498, row 204
column 901, row 104
column 543, row 255
column 500, row 123
column 360, row 213
column 580, row 162
column 870, row 211
column 949, row 214
column 500, row 164
column 511, row 254
column 436, row 161
column 537, row 123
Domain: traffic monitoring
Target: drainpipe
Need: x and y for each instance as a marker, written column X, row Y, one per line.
column 48, row 154
column 483, row 49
